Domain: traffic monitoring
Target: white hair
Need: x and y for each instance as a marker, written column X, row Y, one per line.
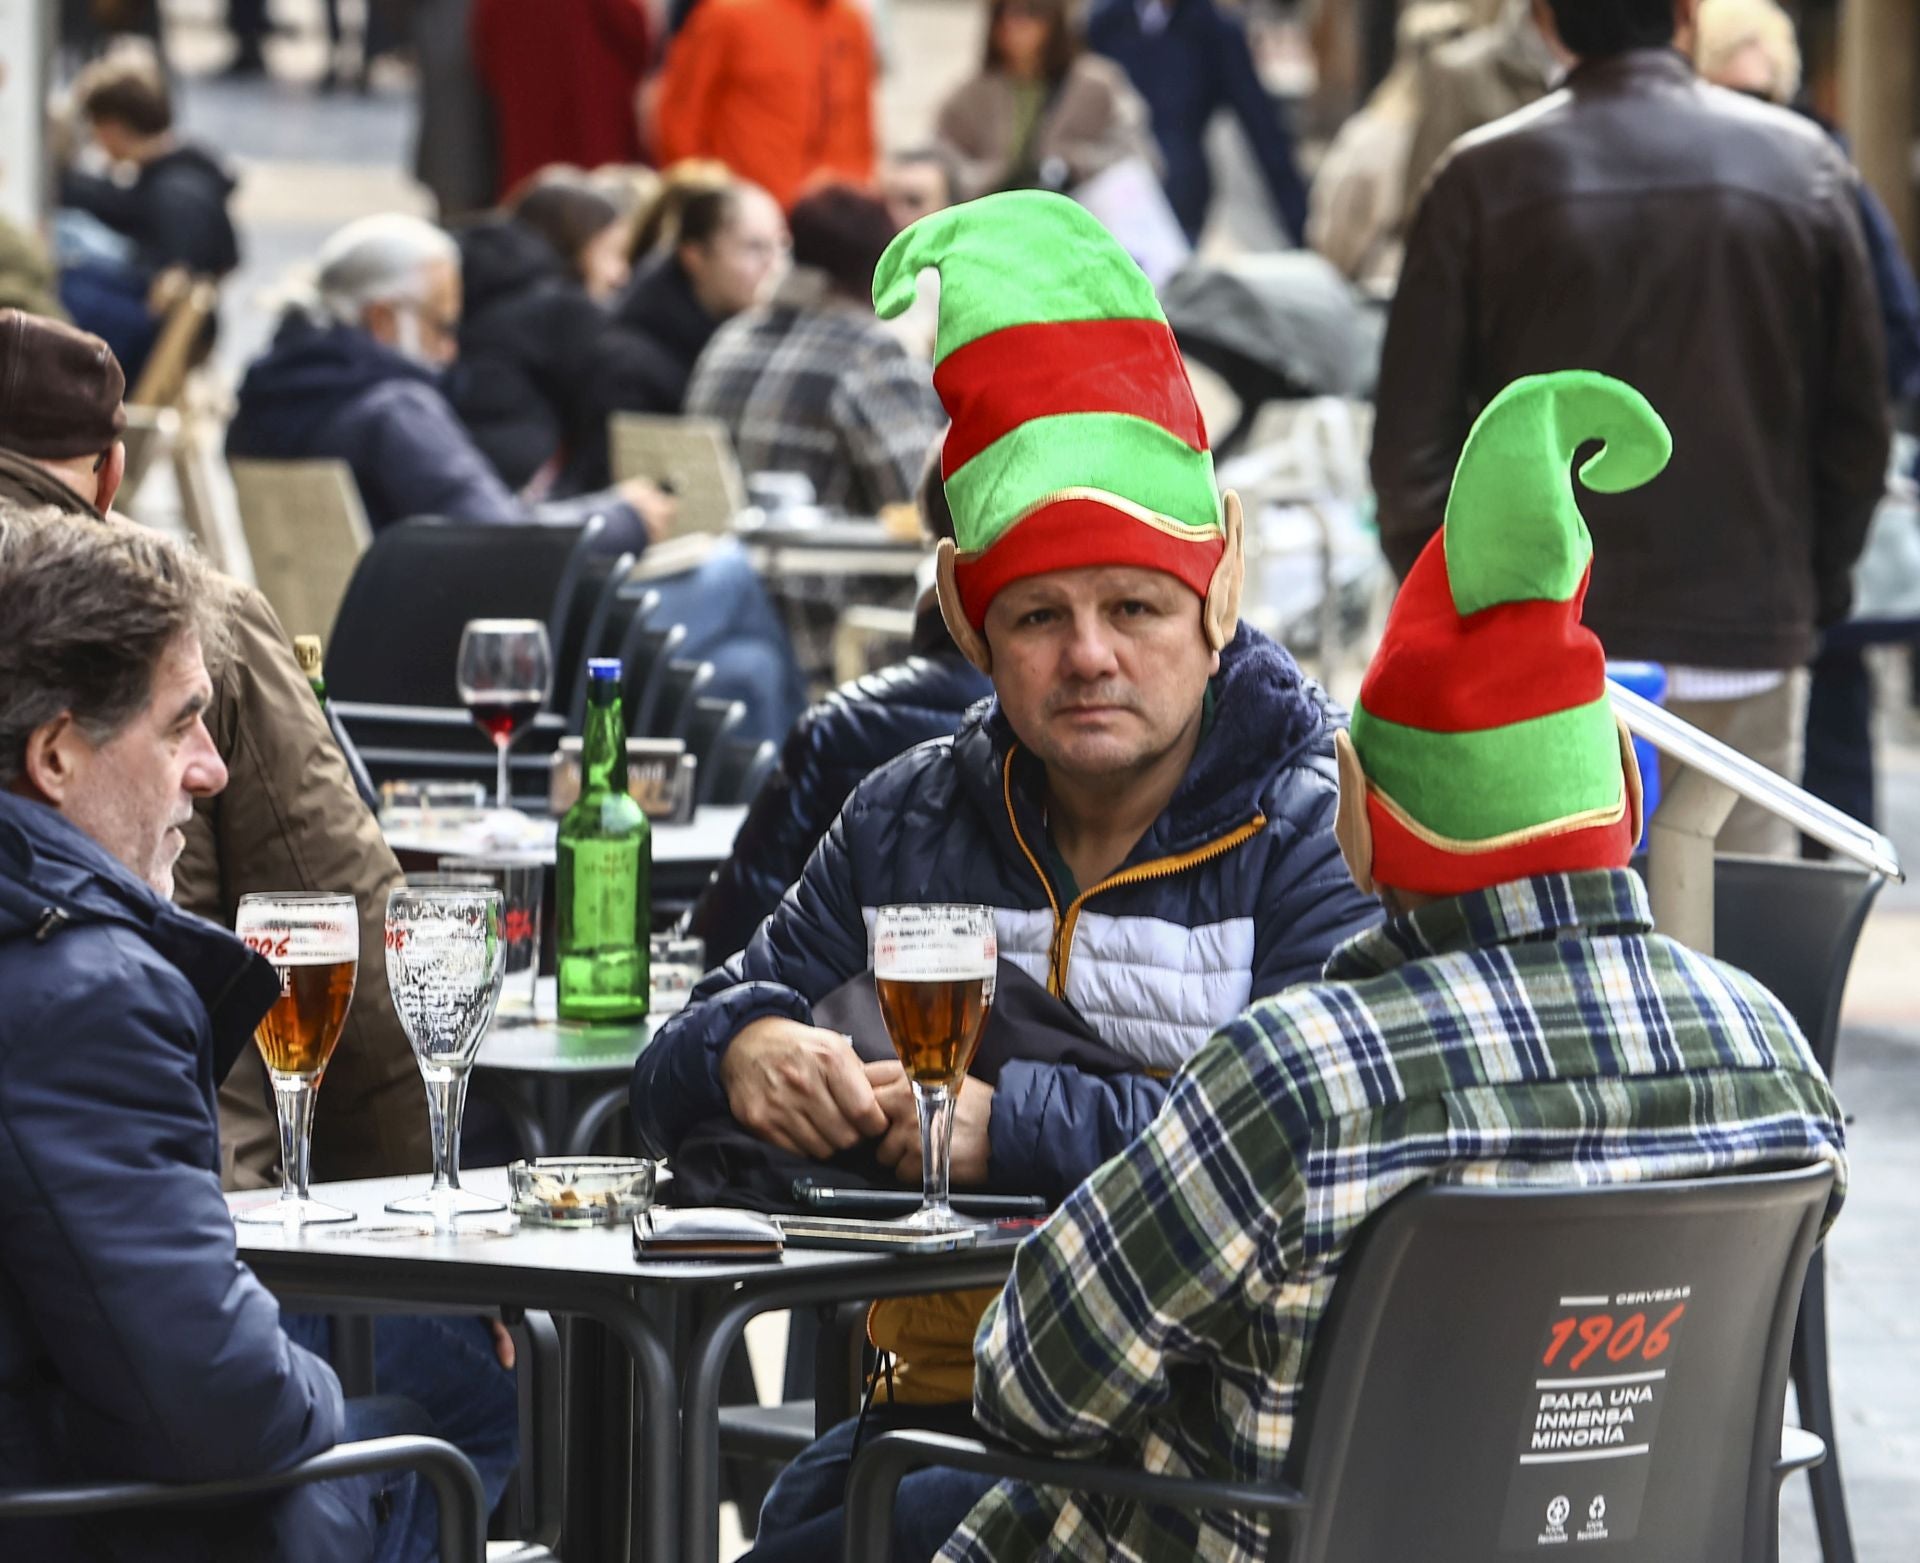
column 379, row 260
column 1726, row 27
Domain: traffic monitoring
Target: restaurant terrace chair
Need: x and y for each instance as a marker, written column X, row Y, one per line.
column 644, row 654
column 306, row 530
column 1795, row 925
column 188, row 304
column 738, row 768
column 455, row 1484
column 1467, row 1391
column 623, row 603
column 711, row 723
column 680, row 687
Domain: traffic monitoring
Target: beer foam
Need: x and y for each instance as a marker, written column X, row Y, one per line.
column 906, row 969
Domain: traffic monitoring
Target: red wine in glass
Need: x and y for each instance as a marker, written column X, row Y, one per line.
column 501, row 716
column 504, row 673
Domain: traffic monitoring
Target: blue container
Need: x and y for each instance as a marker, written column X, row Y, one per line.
column 1649, row 681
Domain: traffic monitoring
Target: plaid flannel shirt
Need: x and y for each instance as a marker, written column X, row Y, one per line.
column 1538, row 1032
column 815, row 384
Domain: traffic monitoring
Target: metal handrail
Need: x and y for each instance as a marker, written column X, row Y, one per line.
column 1839, row 832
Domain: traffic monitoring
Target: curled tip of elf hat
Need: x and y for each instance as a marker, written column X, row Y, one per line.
column 1076, row 439
column 1483, row 747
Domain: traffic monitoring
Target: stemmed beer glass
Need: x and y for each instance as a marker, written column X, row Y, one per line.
column 445, row 957
column 504, row 675
column 314, row 944
column 933, row 968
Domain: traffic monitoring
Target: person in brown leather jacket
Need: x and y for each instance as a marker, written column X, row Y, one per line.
column 1707, row 249
column 289, row 818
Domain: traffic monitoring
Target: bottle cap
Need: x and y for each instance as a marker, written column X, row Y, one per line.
column 306, row 651
column 603, row 668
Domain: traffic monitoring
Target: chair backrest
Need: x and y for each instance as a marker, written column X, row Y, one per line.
column 177, row 347
column 396, row 638
column 737, row 769
column 586, row 615
column 691, row 457
column 1507, row 1370
column 1794, row 925
column 621, row 606
column 306, row 530
column 644, row 655
column 149, row 434
column 710, row 723
column 679, row 690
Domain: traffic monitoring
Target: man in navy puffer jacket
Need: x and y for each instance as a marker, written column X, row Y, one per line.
column 133, row 1344
column 1146, row 803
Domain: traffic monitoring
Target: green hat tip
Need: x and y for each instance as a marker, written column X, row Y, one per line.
column 1514, row 532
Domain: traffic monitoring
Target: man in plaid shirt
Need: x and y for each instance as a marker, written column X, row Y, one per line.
column 812, row 382
column 1516, row 1020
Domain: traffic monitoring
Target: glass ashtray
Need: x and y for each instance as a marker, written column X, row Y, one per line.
column 580, row 1191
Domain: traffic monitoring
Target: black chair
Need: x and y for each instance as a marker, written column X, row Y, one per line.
column 622, row 603
column 1795, row 925
column 1436, row 1373
column 710, row 724
column 680, row 689
column 396, row 638
column 593, row 599
column 455, row 1483
column 739, row 767
column 645, row 655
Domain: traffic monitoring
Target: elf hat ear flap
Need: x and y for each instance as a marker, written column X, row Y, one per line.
column 1636, row 787
column 972, row 644
column 1352, row 829
column 1223, row 592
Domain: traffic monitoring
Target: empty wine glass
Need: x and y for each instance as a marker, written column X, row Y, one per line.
column 504, row 675
column 445, row 957
column 933, row 970
column 314, row 944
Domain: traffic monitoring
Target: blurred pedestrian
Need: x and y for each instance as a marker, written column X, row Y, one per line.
column 1041, row 111
column 780, row 91
column 812, row 382
column 1189, row 59
column 1475, row 80
column 918, row 182
column 1706, row 249
column 564, row 80
column 1358, row 213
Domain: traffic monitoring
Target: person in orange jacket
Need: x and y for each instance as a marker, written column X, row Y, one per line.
column 778, row 90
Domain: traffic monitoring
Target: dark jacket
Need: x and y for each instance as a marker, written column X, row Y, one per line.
column 832, row 749
column 528, row 335
column 175, row 211
column 333, row 391
column 1705, row 249
column 1186, row 71
column 133, row 1344
column 645, row 354
column 1235, row 892
column 288, row 819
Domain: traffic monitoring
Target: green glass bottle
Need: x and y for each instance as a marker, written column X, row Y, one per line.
column 605, row 871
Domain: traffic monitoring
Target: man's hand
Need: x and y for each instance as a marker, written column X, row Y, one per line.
column 900, row 1149
column 658, row 509
column 502, row 1344
column 799, row 1087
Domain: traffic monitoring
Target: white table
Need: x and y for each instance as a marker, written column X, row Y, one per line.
column 705, row 840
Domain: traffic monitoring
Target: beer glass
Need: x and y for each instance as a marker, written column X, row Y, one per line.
column 445, row 956
column 314, row 944
column 933, row 970
column 504, row 674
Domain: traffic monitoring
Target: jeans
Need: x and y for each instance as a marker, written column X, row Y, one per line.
column 446, row 1368
column 732, row 623
column 804, row 1517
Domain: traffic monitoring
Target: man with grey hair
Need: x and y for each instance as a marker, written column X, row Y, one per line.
column 355, row 374
column 136, row 1345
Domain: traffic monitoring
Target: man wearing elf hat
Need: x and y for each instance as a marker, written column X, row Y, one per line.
column 1516, row 1020
column 1147, row 803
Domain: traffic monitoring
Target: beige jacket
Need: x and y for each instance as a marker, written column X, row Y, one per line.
column 288, row 819
column 1094, row 120
column 1472, row 81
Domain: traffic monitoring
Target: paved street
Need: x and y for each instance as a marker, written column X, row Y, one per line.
column 312, row 162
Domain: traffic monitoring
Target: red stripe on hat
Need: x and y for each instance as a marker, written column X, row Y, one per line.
column 1510, row 663
column 1072, row 534
column 999, row 381
column 1405, row 862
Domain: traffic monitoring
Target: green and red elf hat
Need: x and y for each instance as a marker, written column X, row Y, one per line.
column 1483, row 741
column 1076, row 439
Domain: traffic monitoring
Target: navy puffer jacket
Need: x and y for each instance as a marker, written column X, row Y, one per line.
column 1235, row 892
column 133, row 1343
column 834, row 747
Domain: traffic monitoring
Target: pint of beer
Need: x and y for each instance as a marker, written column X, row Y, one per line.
column 314, row 944
column 933, row 970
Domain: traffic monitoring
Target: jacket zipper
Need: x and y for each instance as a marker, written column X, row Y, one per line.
column 1060, row 952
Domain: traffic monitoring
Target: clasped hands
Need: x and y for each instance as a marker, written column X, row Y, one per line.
column 802, row 1088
